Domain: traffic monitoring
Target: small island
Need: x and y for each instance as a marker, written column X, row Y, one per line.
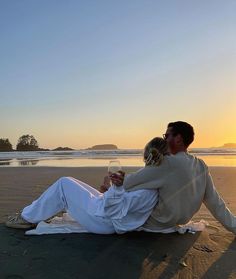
column 62, row 149
column 228, row 145
column 103, row 147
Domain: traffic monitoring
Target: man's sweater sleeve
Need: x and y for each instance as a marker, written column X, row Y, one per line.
column 217, row 206
column 144, row 178
column 132, row 180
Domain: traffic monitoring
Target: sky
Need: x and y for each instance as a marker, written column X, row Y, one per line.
column 80, row 73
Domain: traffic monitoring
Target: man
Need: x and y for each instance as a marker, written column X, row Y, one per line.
column 183, row 182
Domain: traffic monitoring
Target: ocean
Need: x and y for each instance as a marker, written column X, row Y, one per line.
column 127, row 157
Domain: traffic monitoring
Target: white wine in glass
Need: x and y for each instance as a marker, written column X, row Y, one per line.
column 113, row 167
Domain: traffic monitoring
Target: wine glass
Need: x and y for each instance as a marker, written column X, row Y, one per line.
column 113, row 167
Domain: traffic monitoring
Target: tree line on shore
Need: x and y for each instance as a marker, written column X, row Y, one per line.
column 29, row 143
column 25, row 143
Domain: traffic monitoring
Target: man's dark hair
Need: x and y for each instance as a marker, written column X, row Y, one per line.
column 184, row 129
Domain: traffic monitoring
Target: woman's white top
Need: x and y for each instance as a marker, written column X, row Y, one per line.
column 126, row 210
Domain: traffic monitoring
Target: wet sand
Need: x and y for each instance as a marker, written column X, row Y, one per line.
column 209, row 254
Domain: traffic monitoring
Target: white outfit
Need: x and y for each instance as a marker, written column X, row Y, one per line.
column 114, row 211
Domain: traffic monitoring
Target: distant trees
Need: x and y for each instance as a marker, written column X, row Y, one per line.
column 27, row 143
column 5, row 145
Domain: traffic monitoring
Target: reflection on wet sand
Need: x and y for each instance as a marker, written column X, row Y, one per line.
column 211, row 160
column 27, row 162
column 5, row 162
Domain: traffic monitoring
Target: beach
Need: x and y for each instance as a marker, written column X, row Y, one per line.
column 207, row 254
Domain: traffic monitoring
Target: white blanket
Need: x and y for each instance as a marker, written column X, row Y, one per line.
column 66, row 224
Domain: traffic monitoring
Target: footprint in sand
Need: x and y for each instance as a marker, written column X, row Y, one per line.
column 212, row 229
column 232, row 247
column 14, row 242
column 203, row 248
column 36, row 261
column 14, row 276
column 23, row 238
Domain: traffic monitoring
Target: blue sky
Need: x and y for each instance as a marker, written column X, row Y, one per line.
column 79, row 73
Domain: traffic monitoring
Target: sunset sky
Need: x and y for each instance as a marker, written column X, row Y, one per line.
column 80, row 73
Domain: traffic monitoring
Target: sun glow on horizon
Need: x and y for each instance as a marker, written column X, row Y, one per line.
column 117, row 71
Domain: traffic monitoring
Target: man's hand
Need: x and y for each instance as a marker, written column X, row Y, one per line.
column 117, row 178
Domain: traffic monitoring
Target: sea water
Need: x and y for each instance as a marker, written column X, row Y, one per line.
column 127, row 157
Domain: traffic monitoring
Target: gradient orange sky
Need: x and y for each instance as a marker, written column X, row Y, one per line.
column 117, row 72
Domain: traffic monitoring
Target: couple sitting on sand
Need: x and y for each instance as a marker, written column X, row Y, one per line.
column 159, row 197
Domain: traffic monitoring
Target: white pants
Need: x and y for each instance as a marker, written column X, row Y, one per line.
column 77, row 198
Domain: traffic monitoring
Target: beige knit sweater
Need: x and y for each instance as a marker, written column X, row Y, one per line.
column 184, row 183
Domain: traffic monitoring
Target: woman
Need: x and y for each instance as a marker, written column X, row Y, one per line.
column 114, row 211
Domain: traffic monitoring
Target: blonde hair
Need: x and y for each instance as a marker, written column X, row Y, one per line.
column 154, row 151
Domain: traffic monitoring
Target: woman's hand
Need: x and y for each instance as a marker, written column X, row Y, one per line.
column 117, row 178
column 106, row 184
column 106, row 181
column 103, row 189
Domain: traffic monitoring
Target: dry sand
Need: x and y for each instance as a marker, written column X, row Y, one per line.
column 209, row 254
